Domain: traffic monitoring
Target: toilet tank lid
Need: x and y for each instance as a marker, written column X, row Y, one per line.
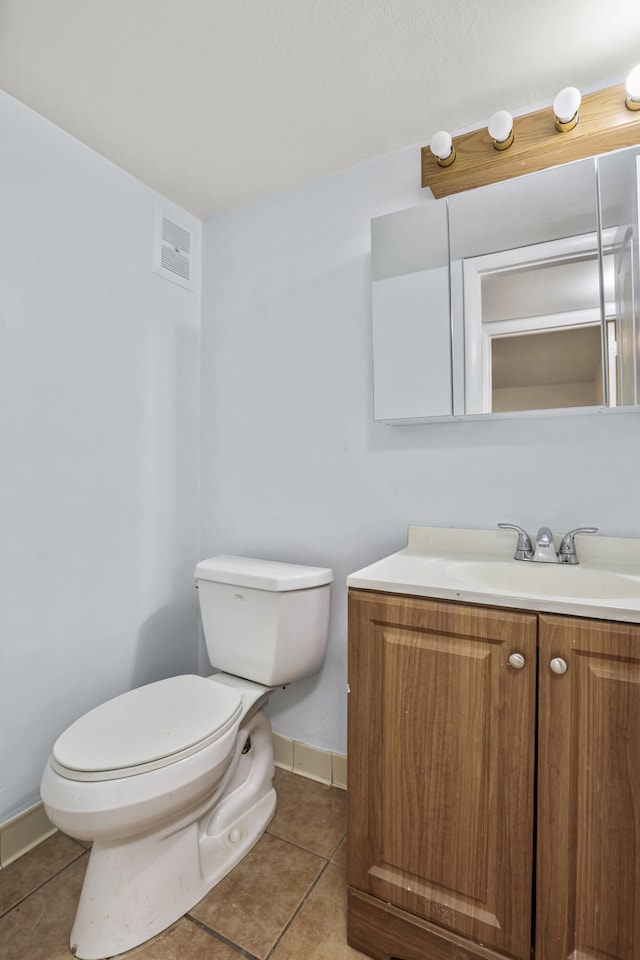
column 262, row 574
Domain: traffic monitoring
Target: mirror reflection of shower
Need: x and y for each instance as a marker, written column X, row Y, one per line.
column 533, row 328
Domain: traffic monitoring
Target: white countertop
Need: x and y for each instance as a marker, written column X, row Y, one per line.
column 477, row 566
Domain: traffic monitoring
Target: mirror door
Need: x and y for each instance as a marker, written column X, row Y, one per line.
column 411, row 315
column 526, row 254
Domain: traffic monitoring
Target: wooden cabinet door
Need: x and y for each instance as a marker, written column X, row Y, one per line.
column 588, row 872
column 441, row 763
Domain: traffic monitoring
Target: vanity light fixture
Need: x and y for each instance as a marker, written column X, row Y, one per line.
column 442, row 148
column 566, row 108
column 632, row 101
column 500, row 129
column 509, row 147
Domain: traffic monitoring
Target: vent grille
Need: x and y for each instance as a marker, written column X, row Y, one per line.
column 177, row 236
column 174, row 261
column 172, row 251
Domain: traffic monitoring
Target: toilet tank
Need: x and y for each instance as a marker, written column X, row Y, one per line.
column 264, row 620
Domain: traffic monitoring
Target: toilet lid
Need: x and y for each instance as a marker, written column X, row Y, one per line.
column 149, row 727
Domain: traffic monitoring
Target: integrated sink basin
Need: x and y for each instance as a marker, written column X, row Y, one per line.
column 555, row 580
column 478, row 566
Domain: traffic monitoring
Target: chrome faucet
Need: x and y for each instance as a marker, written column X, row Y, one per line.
column 545, row 551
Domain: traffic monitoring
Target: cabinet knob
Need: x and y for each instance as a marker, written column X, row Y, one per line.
column 558, row 665
column 517, row 661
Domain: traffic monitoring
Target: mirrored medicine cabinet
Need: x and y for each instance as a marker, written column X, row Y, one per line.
column 507, row 299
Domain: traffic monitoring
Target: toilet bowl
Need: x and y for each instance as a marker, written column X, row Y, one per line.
column 173, row 782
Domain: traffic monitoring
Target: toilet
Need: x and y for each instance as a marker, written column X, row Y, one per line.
column 173, row 782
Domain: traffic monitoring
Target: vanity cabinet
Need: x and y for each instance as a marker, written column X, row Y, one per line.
column 494, row 809
column 588, row 856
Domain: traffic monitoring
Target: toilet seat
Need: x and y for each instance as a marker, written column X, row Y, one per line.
column 146, row 728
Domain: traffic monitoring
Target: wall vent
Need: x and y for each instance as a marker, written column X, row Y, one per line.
column 173, row 256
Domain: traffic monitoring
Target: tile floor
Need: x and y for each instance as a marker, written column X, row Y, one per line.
column 285, row 901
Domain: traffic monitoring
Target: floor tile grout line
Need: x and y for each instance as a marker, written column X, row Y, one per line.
column 220, row 937
column 13, row 906
column 335, row 850
column 245, row 953
column 297, row 911
column 299, row 846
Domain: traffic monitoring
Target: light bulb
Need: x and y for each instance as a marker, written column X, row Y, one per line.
column 565, row 108
column 442, row 148
column 500, row 129
column 633, row 89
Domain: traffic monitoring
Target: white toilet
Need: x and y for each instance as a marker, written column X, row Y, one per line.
column 173, row 781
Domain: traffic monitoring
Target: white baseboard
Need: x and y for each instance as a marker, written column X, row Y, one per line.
column 310, row 762
column 24, row 832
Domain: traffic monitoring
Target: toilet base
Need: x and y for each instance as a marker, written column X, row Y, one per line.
column 134, row 889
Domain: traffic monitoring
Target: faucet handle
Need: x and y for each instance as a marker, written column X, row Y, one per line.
column 524, row 548
column 567, row 552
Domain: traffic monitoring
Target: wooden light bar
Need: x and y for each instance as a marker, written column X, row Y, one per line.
column 605, row 124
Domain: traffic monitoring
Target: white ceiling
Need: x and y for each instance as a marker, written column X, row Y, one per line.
column 215, row 103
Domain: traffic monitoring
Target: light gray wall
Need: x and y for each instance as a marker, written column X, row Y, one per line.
column 99, row 387
column 293, row 466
